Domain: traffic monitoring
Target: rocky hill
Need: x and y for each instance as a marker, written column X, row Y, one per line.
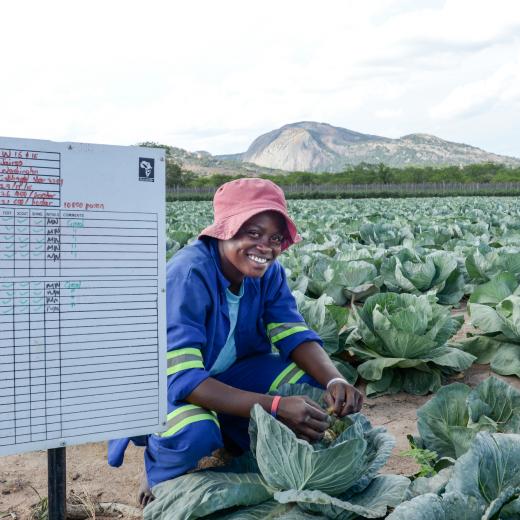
column 310, row 146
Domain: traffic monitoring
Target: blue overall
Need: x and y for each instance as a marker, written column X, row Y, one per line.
column 198, row 328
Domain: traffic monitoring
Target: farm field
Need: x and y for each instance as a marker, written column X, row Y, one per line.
column 371, row 276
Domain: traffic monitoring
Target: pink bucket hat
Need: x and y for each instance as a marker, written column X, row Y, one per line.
column 237, row 201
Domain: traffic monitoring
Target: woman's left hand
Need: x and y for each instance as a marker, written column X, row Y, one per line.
column 343, row 398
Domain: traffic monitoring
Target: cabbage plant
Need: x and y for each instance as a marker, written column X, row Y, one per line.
column 486, row 262
column 384, row 233
column 337, row 479
column 485, row 484
column 344, row 280
column 416, row 273
column 449, row 421
column 494, row 308
column 401, row 339
column 284, row 477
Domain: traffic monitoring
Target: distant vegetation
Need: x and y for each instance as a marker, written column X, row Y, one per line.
column 367, row 174
column 177, row 176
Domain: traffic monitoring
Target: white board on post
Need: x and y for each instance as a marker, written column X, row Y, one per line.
column 82, row 296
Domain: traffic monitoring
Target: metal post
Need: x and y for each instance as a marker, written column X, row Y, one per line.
column 57, row 489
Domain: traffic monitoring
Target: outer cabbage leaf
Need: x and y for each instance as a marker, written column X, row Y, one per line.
column 346, row 370
column 511, row 511
column 424, row 507
column 486, row 262
column 452, row 506
column 434, row 484
column 494, row 291
column 267, row 511
column 442, row 421
column 320, row 319
column 495, row 309
column 384, row 491
column 454, row 289
column 489, row 472
column 291, row 463
column 199, row 494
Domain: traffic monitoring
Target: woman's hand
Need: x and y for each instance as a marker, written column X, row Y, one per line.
column 303, row 416
column 343, row 398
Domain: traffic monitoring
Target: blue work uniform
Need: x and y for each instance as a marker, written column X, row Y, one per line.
column 198, row 322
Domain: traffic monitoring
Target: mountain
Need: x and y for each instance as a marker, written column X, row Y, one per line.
column 314, row 147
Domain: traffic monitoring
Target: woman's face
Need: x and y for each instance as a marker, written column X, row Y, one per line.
column 254, row 248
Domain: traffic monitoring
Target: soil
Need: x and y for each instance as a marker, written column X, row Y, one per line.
column 23, row 478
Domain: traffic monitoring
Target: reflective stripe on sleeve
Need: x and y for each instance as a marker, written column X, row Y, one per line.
column 278, row 331
column 290, row 374
column 185, row 415
column 182, row 359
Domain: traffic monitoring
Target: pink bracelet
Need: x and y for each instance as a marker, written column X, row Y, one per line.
column 274, row 405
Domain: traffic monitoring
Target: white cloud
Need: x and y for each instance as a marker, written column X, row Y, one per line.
column 214, row 75
column 388, row 113
column 500, row 88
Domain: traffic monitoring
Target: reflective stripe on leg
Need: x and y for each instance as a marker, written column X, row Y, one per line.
column 185, row 415
column 291, row 374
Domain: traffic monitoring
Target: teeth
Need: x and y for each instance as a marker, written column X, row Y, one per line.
column 257, row 259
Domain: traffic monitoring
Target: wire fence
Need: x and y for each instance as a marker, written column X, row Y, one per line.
column 365, row 190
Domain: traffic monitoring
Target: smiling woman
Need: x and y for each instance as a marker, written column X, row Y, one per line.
column 228, row 305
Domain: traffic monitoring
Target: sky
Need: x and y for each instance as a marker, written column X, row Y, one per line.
column 214, row 75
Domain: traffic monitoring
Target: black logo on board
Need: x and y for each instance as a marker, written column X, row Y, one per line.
column 146, row 169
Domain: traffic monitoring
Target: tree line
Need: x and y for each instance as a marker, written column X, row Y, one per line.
column 363, row 173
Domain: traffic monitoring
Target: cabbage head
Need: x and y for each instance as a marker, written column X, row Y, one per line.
column 338, row 480
column 402, row 339
column 494, row 308
column 485, row 484
column 384, row 234
column 449, row 421
column 416, row 273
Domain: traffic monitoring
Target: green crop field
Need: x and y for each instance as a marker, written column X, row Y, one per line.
column 438, row 251
column 385, row 283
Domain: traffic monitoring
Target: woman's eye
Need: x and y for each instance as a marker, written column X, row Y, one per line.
column 277, row 239
column 253, row 234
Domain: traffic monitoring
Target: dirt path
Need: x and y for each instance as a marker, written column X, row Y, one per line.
column 23, row 477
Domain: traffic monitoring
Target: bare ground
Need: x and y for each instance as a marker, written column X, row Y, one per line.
column 23, row 478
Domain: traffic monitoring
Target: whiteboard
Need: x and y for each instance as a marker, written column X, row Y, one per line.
column 82, row 294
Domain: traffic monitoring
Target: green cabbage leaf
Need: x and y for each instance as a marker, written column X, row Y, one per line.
column 494, row 308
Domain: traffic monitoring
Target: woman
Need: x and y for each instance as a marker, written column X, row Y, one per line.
column 228, row 305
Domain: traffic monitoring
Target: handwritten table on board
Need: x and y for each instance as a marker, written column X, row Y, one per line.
column 81, row 295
